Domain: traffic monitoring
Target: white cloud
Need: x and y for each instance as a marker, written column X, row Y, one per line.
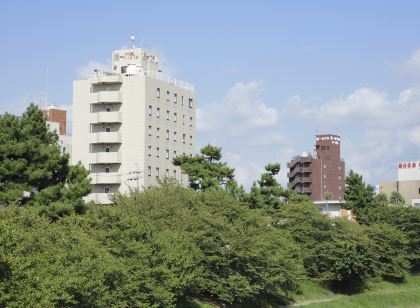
column 239, row 110
column 377, row 131
column 87, row 69
column 269, row 139
column 408, row 68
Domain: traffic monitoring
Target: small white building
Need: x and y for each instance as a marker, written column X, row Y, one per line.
column 333, row 208
column 129, row 123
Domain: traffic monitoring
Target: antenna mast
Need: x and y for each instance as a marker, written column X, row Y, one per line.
column 133, row 40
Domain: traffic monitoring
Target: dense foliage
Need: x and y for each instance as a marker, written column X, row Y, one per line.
column 167, row 245
column 33, row 171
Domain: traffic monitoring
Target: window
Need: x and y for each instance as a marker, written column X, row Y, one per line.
column 175, row 98
column 167, row 134
column 175, row 117
column 149, row 150
column 150, row 130
column 107, row 150
column 191, row 121
column 339, row 187
column 183, row 119
column 157, row 171
column 191, row 140
column 175, row 136
column 167, row 93
column 325, row 176
column 174, row 153
column 150, row 110
column 167, row 115
column 108, row 109
column 325, row 186
column 158, row 92
column 339, row 177
column 149, row 171
column 158, row 112
column 157, row 132
column 190, row 102
column 157, row 152
column 107, row 170
column 183, row 138
column 325, row 166
column 108, row 129
column 167, row 173
column 167, row 154
column 182, row 100
column 123, row 69
column 174, row 174
column 106, row 190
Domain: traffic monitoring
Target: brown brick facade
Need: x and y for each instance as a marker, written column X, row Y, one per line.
column 320, row 172
column 58, row 116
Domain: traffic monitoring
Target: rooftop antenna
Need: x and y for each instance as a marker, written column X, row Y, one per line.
column 46, row 89
column 133, row 40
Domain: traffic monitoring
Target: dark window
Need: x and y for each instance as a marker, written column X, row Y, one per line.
column 123, row 69
column 108, row 109
column 108, row 129
column 106, row 149
column 106, row 190
column 107, row 169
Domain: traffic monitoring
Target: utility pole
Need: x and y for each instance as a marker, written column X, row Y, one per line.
column 135, row 175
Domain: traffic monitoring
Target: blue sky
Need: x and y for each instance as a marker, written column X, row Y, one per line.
column 268, row 75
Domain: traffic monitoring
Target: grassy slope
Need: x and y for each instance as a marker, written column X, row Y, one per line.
column 383, row 294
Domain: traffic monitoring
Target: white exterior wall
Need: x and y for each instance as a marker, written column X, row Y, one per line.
column 126, row 164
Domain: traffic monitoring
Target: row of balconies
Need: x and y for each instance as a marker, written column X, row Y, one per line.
column 105, row 137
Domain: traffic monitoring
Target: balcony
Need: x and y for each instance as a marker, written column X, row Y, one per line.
column 299, row 170
column 108, row 97
column 105, row 158
column 106, row 78
column 106, row 117
column 300, row 179
column 105, row 178
column 303, row 190
column 106, row 137
column 100, row 198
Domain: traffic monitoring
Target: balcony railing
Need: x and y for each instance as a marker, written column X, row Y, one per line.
column 108, row 97
column 106, row 137
column 106, row 78
column 303, row 190
column 106, row 117
column 299, row 170
column 105, row 178
column 302, row 179
column 105, row 158
column 170, row 79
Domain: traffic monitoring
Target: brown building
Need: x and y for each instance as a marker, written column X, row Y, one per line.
column 53, row 114
column 319, row 172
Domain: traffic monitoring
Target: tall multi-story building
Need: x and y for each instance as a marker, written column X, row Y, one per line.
column 319, row 172
column 407, row 184
column 57, row 122
column 129, row 123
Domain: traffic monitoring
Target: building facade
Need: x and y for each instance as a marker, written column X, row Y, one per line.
column 129, row 123
column 319, row 172
column 407, row 184
column 57, row 122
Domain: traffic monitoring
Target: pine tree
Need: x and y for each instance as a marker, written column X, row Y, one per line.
column 33, row 171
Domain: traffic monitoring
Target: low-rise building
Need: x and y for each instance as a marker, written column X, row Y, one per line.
column 57, row 122
column 407, row 184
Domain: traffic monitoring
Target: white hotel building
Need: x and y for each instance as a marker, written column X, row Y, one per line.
column 130, row 122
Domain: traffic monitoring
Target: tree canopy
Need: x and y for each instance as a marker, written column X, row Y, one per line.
column 33, row 171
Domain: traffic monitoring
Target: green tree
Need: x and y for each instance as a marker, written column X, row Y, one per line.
column 396, row 198
column 268, row 191
column 336, row 253
column 33, row 171
column 359, row 197
column 389, row 245
column 205, row 171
